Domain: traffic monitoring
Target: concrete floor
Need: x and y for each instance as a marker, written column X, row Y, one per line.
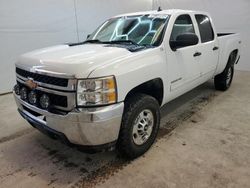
column 204, row 141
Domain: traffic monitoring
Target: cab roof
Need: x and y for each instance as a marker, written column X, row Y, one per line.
column 165, row 12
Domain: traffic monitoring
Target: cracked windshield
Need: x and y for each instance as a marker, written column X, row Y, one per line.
column 145, row 30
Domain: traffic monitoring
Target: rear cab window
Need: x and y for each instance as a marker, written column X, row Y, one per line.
column 205, row 28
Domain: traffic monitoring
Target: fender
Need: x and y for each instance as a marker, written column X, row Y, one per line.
column 135, row 70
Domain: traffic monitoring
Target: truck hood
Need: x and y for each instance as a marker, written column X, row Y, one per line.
column 78, row 60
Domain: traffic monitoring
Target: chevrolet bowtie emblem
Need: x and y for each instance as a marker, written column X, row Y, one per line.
column 31, row 84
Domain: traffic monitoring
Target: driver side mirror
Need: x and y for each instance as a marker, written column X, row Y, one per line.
column 88, row 36
column 183, row 40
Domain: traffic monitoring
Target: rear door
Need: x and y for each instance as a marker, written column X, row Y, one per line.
column 183, row 66
column 209, row 46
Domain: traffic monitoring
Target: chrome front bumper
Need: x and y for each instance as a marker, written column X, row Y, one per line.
column 86, row 126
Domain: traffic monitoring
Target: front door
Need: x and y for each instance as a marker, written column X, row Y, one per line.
column 183, row 63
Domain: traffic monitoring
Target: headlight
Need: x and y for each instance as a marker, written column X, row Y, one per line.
column 94, row 92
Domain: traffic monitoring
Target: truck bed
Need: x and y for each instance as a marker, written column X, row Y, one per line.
column 228, row 42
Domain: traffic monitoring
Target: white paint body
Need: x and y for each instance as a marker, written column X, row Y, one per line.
column 134, row 68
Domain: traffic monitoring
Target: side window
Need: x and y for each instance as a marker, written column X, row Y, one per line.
column 205, row 27
column 183, row 24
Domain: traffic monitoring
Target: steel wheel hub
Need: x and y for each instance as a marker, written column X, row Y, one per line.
column 143, row 126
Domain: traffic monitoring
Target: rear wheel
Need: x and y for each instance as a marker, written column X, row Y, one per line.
column 140, row 124
column 223, row 81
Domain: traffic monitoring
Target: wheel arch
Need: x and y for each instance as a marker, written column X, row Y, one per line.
column 153, row 87
column 233, row 55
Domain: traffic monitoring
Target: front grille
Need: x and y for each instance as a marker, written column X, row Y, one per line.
column 56, row 100
column 63, row 82
column 61, row 91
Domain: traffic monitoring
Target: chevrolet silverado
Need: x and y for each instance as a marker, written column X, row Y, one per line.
column 106, row 92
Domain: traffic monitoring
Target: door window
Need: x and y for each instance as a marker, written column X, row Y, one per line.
column 205, row 28
column 183, row 24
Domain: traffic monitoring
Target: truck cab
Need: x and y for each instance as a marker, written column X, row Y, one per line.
column 106, row 92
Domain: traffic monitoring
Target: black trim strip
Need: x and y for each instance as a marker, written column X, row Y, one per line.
column 178, row 79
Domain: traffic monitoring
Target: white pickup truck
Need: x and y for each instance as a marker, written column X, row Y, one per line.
column 107, row 91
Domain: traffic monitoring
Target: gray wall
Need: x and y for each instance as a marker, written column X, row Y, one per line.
column 228, row 16
column 26, row 25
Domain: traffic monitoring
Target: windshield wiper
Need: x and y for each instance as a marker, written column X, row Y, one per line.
column 96, row 41
column 121, row 42
column 92, row 41
column 128, row 42
column 84, row 42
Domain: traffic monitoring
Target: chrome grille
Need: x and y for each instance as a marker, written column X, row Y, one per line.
column 56, row 100
column 60, row 90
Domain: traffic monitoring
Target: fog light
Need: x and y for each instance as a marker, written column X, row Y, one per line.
column 45, row 101
column 17, row 89
column 23, row 93
column 32, row 97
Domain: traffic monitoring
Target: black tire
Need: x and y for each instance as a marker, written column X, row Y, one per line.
column 223, row 81
column 133, row 107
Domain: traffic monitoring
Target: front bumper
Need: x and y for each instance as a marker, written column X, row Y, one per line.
column 86, row 126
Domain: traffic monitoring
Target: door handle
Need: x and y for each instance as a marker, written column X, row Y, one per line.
column 215, row 48
column 197, row 54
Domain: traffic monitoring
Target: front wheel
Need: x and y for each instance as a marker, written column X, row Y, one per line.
column 140, row 125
